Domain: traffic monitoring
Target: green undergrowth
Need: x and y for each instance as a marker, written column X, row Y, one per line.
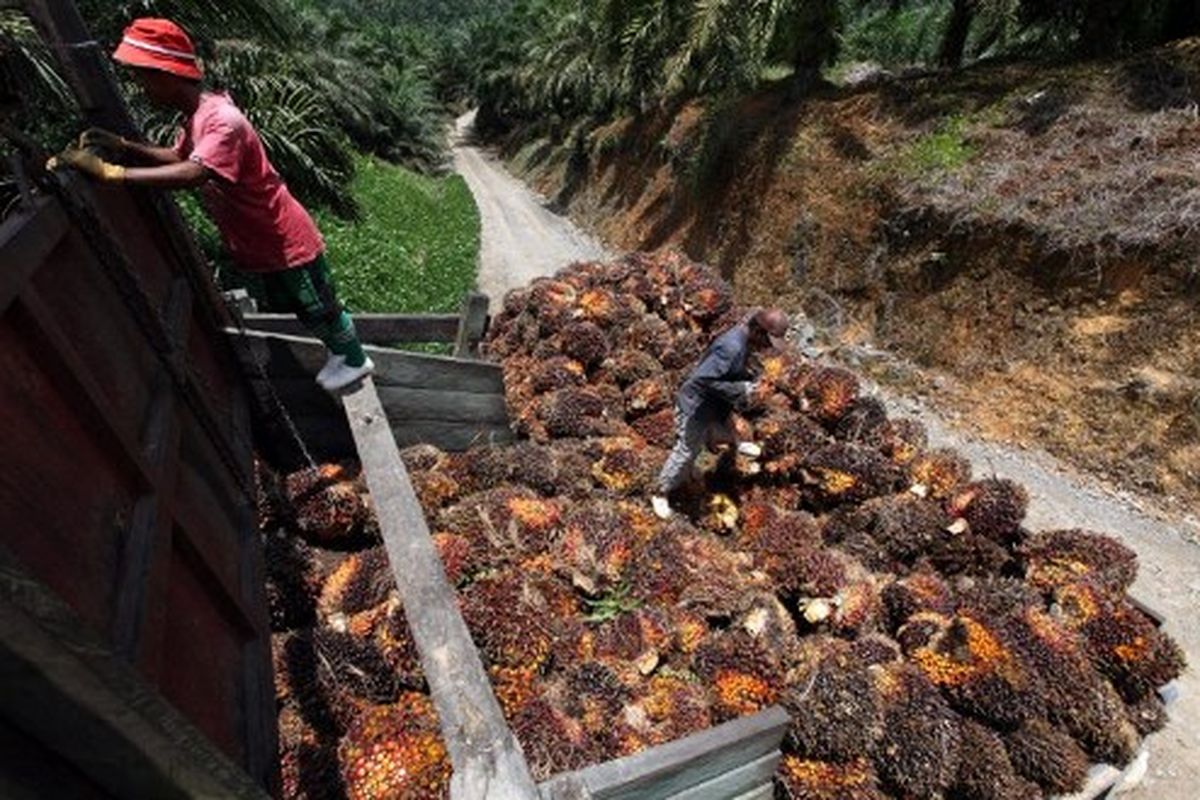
column 415, row 247
column 941, row 151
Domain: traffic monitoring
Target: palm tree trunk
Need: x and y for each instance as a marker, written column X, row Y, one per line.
column 954, row 41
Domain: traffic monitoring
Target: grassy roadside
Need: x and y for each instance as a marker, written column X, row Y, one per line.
column 414, row 250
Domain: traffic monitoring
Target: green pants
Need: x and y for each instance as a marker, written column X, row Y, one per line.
column 308, row 292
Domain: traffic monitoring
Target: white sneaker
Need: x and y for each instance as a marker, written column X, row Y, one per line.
column 344, row 375
column 332, row 363
column 749, row 449
column 662, row 509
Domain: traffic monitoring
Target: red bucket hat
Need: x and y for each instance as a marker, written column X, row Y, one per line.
column 159, row 44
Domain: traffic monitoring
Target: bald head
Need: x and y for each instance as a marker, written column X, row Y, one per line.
column 768, row 326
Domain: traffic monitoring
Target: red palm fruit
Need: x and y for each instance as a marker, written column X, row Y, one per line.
column 865, row 422
column 1058, row 558
column 586, row 343
column 719, row 578
column 534, row 466
column 741, row 676
column 506, row 621
column 706, row 297
column 683, row 352
column 659, row 574
column 770, row 623
column 903, row 440
column 306, row 680
column 557, row 373
column 832, row 700
column 802, row 779
column 916, row 753
column 1075, row 697
column 293, row 579
column 858, row 606
column 596, row 695
column 969, row 554
column 876, row 649
column 515, row 302
column 572, row 413
column 623, row 466
column 515, row 688
column 459, row 558
column 308, row 761
column 787, row 437
column 632, row 636
column 553, row 303
column 596, row 546
column 922, row 591
column 939, row 473
column 394, row 641
column 599, row 305
column 789, row 550
column 627, row 366
column 829, row 393
column 757, row 512
column 511, row 336
column 1123, row 643
column 993, row 508
column 353, row 664
column 649, row 395
column 420, row 458
column 361, row 581
column 675, row 706
column 995, row 597
column 905, row 526
column 980, row 674
column 388, row 754
column 847, row 473
column 1048, row 757
column 326, row 504
column 435, row 489
column 985, row 771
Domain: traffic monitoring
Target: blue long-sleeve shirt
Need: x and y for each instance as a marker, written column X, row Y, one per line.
column 720, row 380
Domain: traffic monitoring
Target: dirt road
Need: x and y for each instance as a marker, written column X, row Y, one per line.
column 522, row 240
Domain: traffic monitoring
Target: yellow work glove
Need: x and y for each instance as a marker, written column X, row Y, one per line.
column 101, row 139
column 89, row 164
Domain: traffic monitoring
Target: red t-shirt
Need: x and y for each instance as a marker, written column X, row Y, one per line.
column 264, row 228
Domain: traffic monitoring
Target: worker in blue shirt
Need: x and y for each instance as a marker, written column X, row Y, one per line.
column 718, row 384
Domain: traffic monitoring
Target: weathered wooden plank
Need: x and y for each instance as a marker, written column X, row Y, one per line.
column 735, row 783
column 303, row 397
column 26, row 241
column 63, row 686
column 297, row 357
column 678, row 766
column 472, row 326
column 327, row 439
column 488, row 763
column 382, row 329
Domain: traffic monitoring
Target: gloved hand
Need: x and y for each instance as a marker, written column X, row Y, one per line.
column 752, row 392
column 89, row 164
column 106, row 141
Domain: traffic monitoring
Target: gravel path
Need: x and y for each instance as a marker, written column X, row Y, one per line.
column 522, row 240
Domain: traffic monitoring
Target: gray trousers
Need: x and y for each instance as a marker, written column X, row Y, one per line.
column 705, row 427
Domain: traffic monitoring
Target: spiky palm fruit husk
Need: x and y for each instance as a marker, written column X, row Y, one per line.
column 423, row 458
column 551, row 739
column 980, row 674
column 586, row 343
column 858, row 606
column 459, row 559
column 922, row 591
column 308, row 760
column 659, row 574
column 632, row 637
column 1123, row 643
column 829, row 393
column 600, row 306
column 741, row 676
column 789, row 550
column 435, row 489
column 514, row 687
column 512, row 336
column 787, row 437
column 572, row 413
column 720, row 578
column 1075, row 697
column 1058, row 558
column 650, row 334
column 1149, row 715
column 354, row 665
column 916, row 753
column 675, row 705
column 596, row 547
column 993, row 508
column 707, row 298
column 362, row 581
column 534, row 466
column 905, row 526
column 970, row 554
column 292, row 581
column 392, row 751
column 393, row 639
column 865, row 422
column 507, row 522
column 995, row 597
column 626, row 367
column 802, row 779
column 649, row 395
column 507, row 621
column 269, row 497
column 683, row 352
column 832, row 699
column 624, row 466
column 557, row 373
column 1048, row 757
column 939, row 473
column 326, row 504
column 903, row 440
column 770, row 623
column 553, row 303
column 985, row 771
column 877, row 649
column 690, row 630
column 847, row 473
column 596, row 695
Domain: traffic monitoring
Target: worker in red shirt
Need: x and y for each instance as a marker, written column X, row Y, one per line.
column 268, row 234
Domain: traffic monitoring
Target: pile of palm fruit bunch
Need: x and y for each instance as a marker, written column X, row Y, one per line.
column 924, row 641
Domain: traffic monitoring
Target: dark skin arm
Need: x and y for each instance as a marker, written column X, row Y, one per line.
column 148, row 154
column 177, row 175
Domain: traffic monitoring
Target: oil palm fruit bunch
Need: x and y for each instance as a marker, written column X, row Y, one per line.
column 395, row 751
